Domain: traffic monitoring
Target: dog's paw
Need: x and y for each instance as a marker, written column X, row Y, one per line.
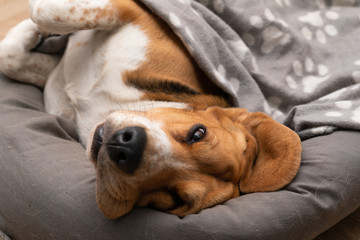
column 17, row 61
column 16, row 45
column 24, row 37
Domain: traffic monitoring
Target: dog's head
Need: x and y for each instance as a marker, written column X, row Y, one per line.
column 182, row 161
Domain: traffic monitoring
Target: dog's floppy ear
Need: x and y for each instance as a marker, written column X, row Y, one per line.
column 273, row 154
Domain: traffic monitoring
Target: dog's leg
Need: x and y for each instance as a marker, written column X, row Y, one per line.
column 17, row 61
column 66, row 16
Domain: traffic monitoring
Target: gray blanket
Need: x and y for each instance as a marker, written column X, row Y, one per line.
column 298, row 61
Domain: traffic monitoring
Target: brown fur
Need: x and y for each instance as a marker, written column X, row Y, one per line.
column 168, row 60
column 242, row 152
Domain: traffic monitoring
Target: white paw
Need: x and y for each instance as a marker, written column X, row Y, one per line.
column 17, row 61
column 24, row 35
column 16, row 45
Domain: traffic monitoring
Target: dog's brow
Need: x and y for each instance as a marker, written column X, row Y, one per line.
column 158, row 85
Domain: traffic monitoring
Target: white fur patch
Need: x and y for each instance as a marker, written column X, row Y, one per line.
column 159, row 141
column 93, row 66
column 143, row 106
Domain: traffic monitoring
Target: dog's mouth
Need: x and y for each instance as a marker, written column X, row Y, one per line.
column 97, row 141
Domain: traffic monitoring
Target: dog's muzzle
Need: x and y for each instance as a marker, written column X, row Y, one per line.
column 125, row 147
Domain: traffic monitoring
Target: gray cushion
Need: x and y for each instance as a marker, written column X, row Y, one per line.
column 48, row 187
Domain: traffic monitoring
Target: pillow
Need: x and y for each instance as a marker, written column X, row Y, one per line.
column 48, row 187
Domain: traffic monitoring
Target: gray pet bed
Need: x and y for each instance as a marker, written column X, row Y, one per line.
column 296, row 60
column 48, row 187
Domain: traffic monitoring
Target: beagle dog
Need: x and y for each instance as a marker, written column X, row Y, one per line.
column 158, row 131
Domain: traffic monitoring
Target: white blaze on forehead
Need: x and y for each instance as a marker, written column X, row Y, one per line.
column 159, row 141
column 142, row 106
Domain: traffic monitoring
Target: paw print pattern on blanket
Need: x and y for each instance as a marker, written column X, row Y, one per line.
column 317, row 26
column 283, row 3
column 309, row 73
column 220, row 74
column 274, row 31
column 243, row 54
column 345, row 109
column 341, row 105
column 175, row 20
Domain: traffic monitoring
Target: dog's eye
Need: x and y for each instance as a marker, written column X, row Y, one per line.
column 196, row 134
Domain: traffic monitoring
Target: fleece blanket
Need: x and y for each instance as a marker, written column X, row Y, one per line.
column 298, row 61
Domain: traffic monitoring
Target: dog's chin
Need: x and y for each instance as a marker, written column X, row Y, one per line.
column 95, row 142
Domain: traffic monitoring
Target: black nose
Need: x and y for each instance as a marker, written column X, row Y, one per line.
column 126, row 148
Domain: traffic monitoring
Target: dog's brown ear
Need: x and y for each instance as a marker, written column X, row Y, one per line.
column 273, row 151
column 278, row 154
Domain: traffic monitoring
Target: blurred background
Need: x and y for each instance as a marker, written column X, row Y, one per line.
column 12, row 12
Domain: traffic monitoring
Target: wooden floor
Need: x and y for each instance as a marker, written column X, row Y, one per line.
column 13, row 11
